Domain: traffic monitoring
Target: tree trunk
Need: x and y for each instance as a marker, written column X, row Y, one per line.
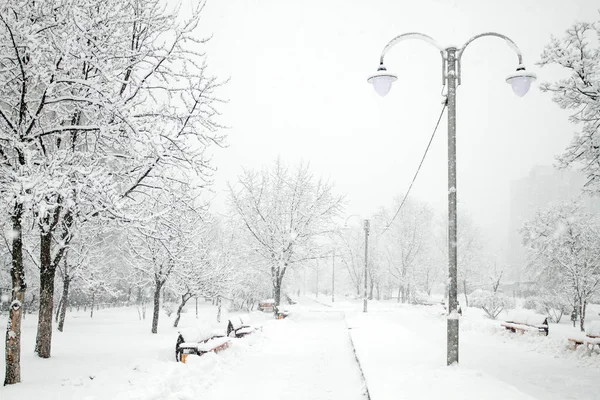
column 465, row 290
column 184, row 299
column 277, row 292
column 65, row 303
column 219, row 301
column 56, row 314
column 157, row 289
column 277, row 281
column 371, row 285
column 13, row 329
column 582, row 315
column 399, row 293
column 93, row 302
column 43, row 341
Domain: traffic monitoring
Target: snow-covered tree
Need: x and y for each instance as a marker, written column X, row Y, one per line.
column 168, row 241
column 284, row 211
column 210, row 272
column 564, row 242
column 471, row 258
column 351, row 248
column 98, row 100
column 578, row 54
column 405, row 242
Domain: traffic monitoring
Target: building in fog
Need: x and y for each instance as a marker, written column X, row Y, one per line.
column 543, row 187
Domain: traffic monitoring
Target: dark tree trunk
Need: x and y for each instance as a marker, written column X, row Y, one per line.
column 277, row 292
column 219, row 301
column 93, row 303
column 43, row 340
column 184, row 299
column 371, row 290
column 13, row 330
column 465, row 290
column 157, row 289
column 65, row 303
column 277, row 281
column 582, row 315
column 58, row 307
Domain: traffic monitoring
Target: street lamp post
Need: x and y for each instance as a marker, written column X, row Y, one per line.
column 451, row 69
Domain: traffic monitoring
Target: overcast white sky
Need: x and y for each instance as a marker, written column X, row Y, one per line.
column 298, row 89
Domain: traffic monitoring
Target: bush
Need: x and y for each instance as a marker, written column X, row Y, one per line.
column 169, row 308
column 492, row 303
column 555, row 307
column 534, row 303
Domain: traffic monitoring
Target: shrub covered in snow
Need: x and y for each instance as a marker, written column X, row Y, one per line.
column 552, row 305
column 534, row 303
column 493, row 303
column 169, row 308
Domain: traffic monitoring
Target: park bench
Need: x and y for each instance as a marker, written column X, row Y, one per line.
column 197, row 341
column 267, row 305
column 526, row 322
column 592, row 336
column 238, row 327
column 281, row 314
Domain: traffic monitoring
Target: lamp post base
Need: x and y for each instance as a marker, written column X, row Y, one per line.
column 452, row 355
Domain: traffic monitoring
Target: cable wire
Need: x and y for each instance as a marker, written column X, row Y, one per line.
column 418, row 169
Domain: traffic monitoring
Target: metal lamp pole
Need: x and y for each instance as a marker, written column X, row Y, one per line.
column 451, row 56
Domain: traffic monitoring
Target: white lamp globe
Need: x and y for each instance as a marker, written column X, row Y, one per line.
column 521, row 81
column 382, row 81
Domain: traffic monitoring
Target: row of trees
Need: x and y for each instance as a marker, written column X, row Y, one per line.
column 564, row 244
column 564, row 239
column 106, row 110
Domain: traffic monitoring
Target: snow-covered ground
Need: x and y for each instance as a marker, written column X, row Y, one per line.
column 401, row 349
column 494, row 363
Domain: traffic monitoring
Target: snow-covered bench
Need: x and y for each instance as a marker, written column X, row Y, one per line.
column 526, row 321
column 198, row 341
column 281, row 314
column 239, row 326
column 592, row 335
column 267, row 305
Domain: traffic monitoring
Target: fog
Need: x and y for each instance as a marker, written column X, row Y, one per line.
column 298, row 90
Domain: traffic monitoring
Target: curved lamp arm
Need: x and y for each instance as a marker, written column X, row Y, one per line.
column 508, row 41
column 410, row 35
column 382, row 80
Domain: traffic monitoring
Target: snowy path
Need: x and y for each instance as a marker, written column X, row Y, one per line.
column 307, row 356
column 493, row 365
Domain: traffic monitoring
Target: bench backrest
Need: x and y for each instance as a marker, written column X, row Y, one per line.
column 198, row 334
column 238, row 321
column 592, row 328
column 527, row 318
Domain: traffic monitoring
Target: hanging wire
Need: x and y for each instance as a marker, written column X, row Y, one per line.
column 419, row 168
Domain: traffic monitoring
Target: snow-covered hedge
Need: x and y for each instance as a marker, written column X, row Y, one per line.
column 551, row 305
column 593, row 328
column 492, row 303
